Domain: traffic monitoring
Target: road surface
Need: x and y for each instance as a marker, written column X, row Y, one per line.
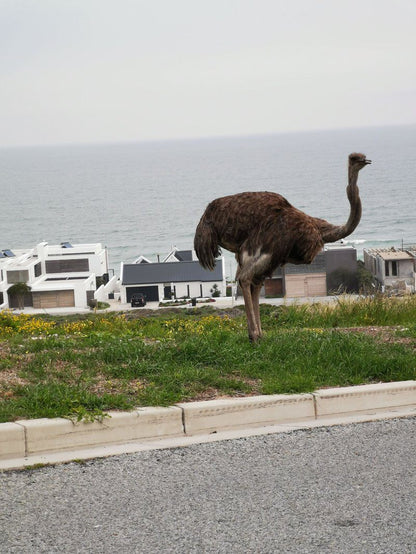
column 349, row 489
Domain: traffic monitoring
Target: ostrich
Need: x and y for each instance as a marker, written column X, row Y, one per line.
column 265, row 231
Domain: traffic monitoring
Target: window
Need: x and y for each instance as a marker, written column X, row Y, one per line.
column 17, row 276
column 38, row 269
column 386, row 267
column 67, row 266
column 394, row 268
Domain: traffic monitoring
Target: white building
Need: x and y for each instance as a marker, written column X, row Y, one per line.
column 61, row 275
column 392, row 269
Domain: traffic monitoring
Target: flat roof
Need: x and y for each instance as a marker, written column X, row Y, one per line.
column 18, row 263
column 390, row 254
column 339, row 246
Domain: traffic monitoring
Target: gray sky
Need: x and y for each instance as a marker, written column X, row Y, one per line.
column 101, row 70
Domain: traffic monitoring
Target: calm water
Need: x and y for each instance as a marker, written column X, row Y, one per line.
column 142, row 198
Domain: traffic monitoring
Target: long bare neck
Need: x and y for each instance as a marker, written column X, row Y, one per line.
column 332, row 233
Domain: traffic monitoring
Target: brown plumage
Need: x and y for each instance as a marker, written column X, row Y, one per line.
column 265, row 231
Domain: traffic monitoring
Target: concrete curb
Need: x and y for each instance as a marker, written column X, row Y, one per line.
column 27, row 442
column 212, row 416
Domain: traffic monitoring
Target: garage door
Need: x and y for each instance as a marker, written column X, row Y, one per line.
column 273, row 287
column 305, row 285
column 14, row 300
column 53, row 299
column 316, row 285
column 151, row 293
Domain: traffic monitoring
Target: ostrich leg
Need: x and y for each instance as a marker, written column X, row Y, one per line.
column 255, row 296
column 253, row 330
column 250, row 269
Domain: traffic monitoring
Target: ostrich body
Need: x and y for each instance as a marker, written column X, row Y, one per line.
column 265, row 231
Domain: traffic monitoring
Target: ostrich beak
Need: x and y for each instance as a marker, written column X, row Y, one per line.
column 367, row 162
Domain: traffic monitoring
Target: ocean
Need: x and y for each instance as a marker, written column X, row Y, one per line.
column 144, row 198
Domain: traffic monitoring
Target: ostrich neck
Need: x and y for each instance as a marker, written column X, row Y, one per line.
column 332, row 233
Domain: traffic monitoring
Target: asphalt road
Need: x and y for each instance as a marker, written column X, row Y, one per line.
column 349, row 489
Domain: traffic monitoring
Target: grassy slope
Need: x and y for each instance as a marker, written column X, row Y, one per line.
column 83, row 366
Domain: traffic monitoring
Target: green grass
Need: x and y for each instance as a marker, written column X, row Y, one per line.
column 83, row 366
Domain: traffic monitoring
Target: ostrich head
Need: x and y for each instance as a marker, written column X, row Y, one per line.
column 358, row 161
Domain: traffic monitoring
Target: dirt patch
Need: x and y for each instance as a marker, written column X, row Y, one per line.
column 5, row 350
column 9, row 380
column 103, row 385
column 384, row 334
column 211, row 393
column 214, row 394
column 139, row 313
column 199, row 310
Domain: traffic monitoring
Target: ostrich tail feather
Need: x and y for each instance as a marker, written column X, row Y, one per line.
column 206, row 244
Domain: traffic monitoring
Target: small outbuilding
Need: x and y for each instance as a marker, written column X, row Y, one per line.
column 298, row 280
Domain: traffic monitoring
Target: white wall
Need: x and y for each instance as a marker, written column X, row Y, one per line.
column 101, row 294
column 95, row 253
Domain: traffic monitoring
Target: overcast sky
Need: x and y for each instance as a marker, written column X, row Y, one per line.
column 121, row 70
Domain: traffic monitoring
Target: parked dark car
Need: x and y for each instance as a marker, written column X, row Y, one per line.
column 138, row 300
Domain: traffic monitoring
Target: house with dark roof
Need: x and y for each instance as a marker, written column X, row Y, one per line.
column 171, row 279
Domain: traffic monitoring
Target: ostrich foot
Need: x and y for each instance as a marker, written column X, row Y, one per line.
column 254, row 338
